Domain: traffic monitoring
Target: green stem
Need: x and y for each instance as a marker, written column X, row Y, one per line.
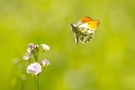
column 35, row 80
column 42, row 74
column 40, row 56
column 37, row 57
column 38, row 82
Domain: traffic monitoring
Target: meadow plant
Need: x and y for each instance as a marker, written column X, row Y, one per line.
column 36, row 66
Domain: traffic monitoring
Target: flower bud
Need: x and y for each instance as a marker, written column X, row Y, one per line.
column 45, row 62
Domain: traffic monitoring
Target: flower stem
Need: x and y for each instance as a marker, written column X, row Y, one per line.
column 38, row 82
column 37, row 57
column 42, row 74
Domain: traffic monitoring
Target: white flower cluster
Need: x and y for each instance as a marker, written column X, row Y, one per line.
column 35, row 68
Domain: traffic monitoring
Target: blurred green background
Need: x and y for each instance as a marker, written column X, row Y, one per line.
column 107, row 62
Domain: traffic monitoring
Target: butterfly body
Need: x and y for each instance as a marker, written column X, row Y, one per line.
column 84, row 29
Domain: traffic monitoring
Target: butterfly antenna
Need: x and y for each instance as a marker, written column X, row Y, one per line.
column 65, row 24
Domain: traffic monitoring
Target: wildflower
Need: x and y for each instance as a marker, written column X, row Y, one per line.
column 29, row 50
column 36, row 48
column 26, row 57
column 45, row 47
column 34, row 68
column 31, row 45
column 45, row 62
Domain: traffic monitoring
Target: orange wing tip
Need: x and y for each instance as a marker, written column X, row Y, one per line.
column 94, row 24
column 86, row 19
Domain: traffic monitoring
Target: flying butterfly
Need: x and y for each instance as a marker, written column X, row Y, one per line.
column 84, row 29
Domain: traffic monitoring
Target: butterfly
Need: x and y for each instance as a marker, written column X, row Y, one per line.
column 84, row 29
